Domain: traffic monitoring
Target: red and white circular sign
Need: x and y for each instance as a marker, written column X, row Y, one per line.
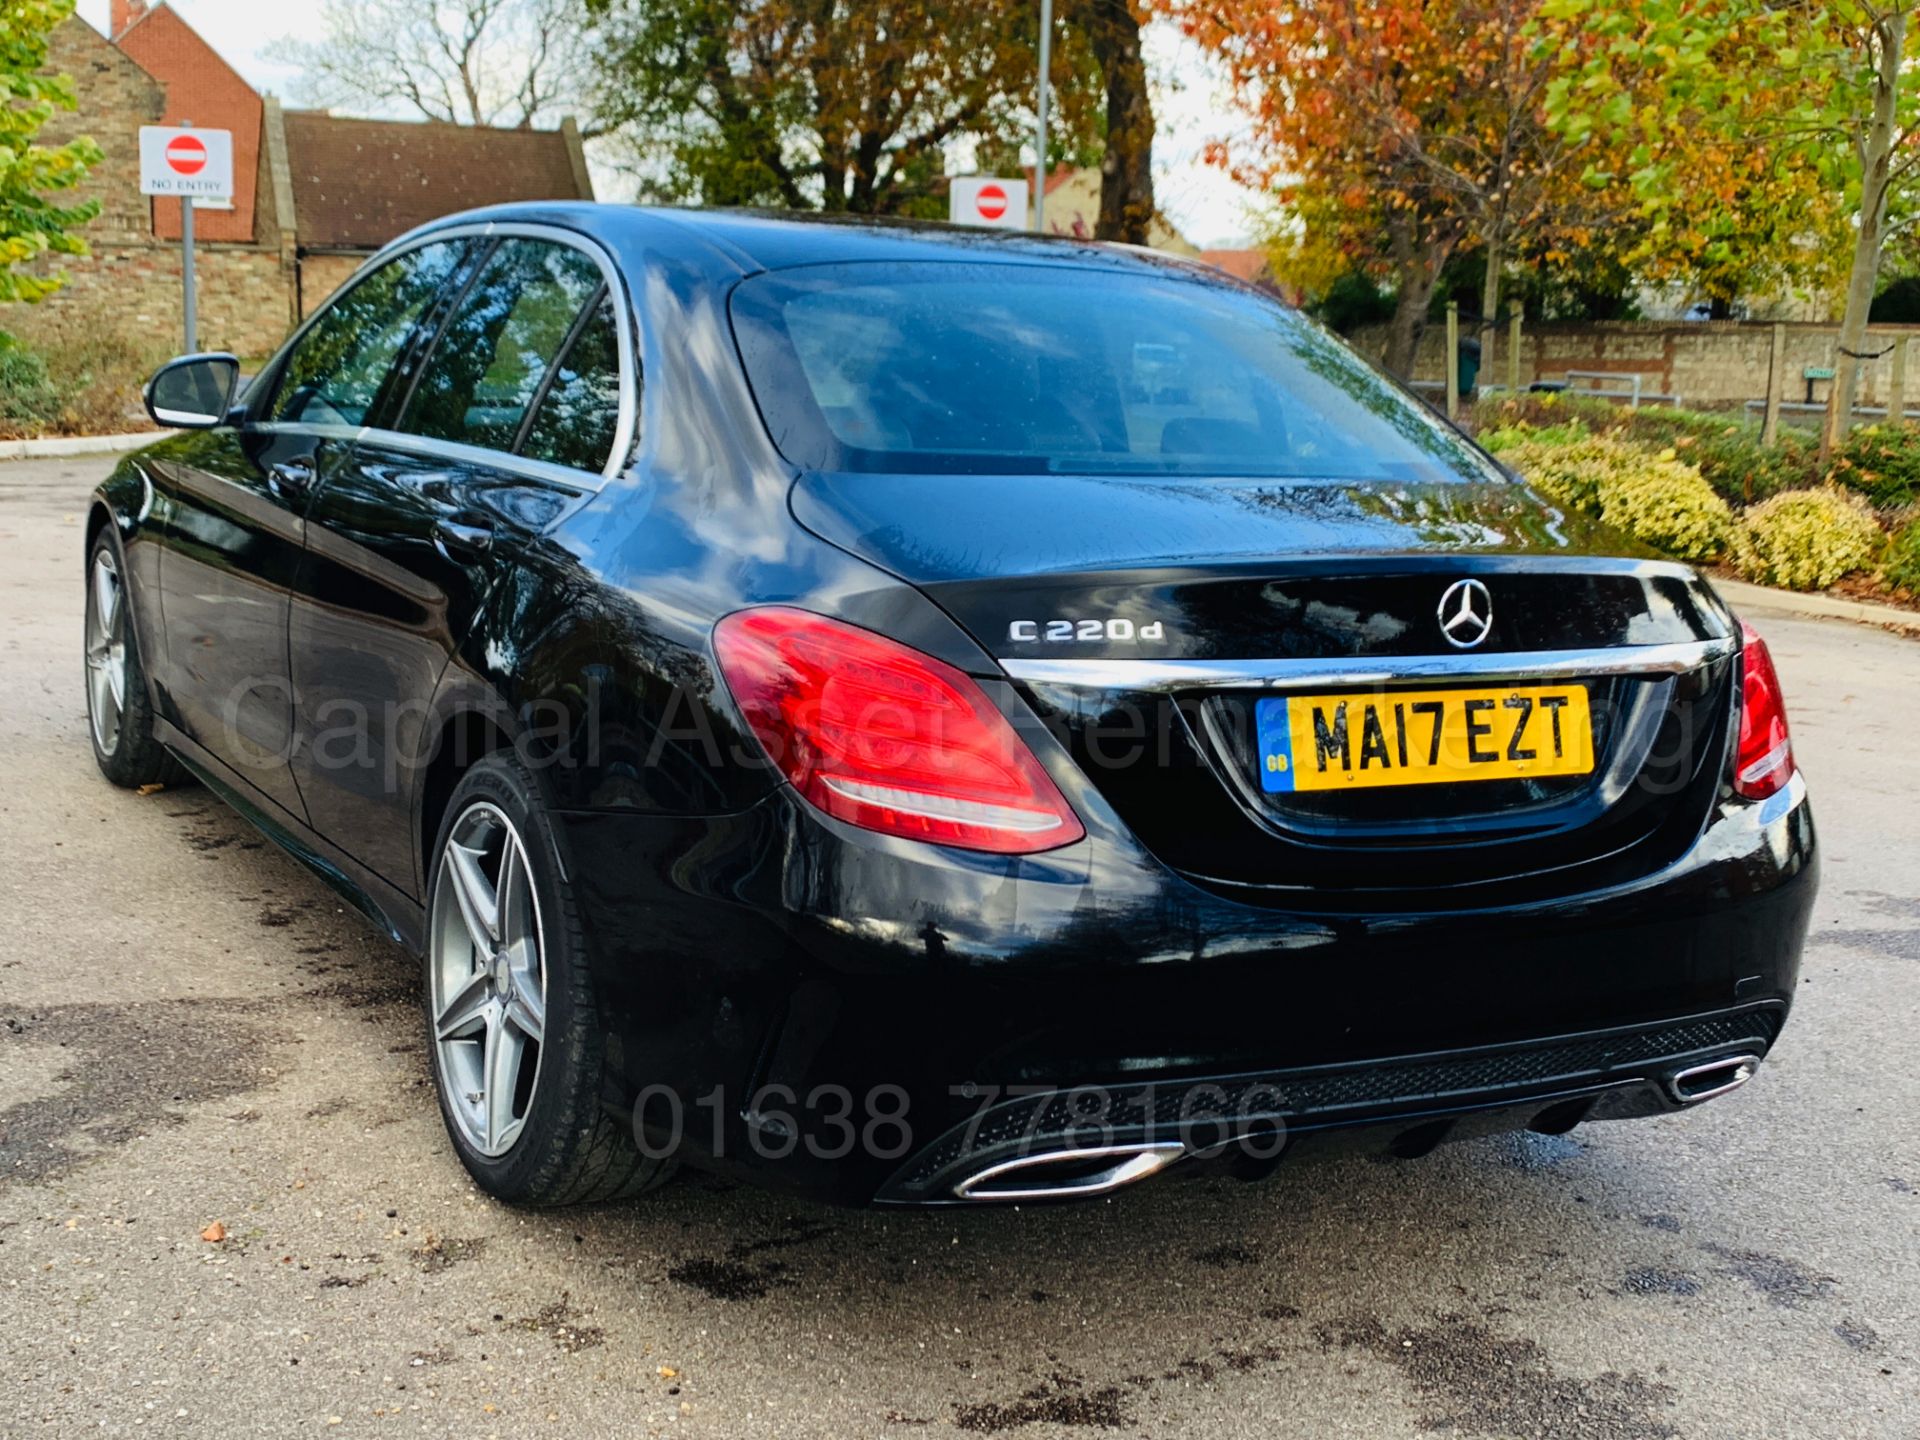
column 991, row 202
column 187, row 156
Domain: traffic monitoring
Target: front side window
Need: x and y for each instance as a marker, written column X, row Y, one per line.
column 334, row 374
column 492, row 360
column 964, row 368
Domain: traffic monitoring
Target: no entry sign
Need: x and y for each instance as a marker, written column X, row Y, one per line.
column 186, row 154
column 984, row 200
column 174, row 161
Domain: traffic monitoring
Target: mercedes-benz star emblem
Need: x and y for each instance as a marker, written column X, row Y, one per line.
column 1466, row 614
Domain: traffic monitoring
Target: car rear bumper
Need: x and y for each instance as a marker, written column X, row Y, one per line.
column 1415, row 1103
column 828, row 1010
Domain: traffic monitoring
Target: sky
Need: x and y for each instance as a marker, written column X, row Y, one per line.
column 1190, row 104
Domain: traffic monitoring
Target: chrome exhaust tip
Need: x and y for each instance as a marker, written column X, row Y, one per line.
column 1716, row 1077
column 1068, row 1174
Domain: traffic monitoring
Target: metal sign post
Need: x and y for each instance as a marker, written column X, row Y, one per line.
column 187, row 274
column 187, row 164
column 1040, row 135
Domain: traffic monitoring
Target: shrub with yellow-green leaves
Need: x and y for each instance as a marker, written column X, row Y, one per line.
column 1567, row 465
column 1666, row 503
column 1806, row 539
column 1655, row 497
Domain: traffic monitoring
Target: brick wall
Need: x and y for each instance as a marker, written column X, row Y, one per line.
column 204, row 89
column 1707, row 364
column 131, row 285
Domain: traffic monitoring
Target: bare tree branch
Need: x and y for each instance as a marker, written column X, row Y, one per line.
column 513, row 63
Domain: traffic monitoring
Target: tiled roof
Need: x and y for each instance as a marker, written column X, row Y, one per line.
column 359, row 183
column 1248, row 265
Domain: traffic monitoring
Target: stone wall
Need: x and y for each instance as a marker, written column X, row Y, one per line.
column 135, row 292
column 321, row 274
column 1711, row 365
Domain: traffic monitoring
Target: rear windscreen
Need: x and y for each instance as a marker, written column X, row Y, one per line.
column 969, row 369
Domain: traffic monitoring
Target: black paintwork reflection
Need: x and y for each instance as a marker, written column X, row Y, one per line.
column 933, row 528
column 381, row 606
column 232, row 546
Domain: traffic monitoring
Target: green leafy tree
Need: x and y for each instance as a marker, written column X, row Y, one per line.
column 823, row 104
column 1823, row 89
column 1402, row 132
column 32, row 224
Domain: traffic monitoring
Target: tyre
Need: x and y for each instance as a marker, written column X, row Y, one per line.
column 119, row 705
column 512, row 1027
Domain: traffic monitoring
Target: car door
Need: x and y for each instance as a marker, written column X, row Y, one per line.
column 509, row 416
column 232, row 507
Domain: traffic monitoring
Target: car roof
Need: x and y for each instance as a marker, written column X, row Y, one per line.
column 748, row 241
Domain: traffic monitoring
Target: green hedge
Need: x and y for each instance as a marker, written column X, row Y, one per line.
column 1882, row 462
column 85, row 384
column 1724, row 447
column 1806, row 539
column 1901, row 567
column 29, row 400
column 1666, row 477
column 1657, row 498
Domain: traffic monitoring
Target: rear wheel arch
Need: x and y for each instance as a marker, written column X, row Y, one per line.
column 465, row 737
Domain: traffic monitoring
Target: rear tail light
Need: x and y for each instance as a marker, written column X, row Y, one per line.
column 886, row 738
column 1763, row 763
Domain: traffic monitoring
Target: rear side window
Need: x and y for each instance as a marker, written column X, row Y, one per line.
column 579, row 415
column 335, row 372
column 963, row 368
column 494, row 356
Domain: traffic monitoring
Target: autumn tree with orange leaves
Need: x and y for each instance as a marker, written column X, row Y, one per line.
column 1404, row 130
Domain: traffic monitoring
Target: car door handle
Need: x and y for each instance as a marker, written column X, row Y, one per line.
column 461, row 540
column 291, row 479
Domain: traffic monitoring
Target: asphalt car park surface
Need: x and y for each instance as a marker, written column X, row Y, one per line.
column 198, row 1040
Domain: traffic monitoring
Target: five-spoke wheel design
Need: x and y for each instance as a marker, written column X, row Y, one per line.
column 106, row 650
column 487, row 970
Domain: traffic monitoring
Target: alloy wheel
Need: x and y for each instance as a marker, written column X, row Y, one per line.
column 488, row 978
column 106, row 651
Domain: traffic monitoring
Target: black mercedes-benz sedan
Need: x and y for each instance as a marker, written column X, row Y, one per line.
column 930, row 717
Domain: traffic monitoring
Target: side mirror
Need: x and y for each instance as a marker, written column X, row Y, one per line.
column 194, row 392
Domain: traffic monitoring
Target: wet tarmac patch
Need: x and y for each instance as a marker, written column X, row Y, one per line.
column 1785, row 1283
column 1477, row 1383
column 1890, row 944
column 1060, row 1400
column 730, row 1279
column 736, row 1276
column 560, row 1323
column 443, row 1252
column 1533, row 1153
column 1653, row 1280
column 1905, row 907
column 132, row 1070
column 1858, row 1334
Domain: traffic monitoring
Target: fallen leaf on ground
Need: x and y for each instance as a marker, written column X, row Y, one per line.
column 214, row 1233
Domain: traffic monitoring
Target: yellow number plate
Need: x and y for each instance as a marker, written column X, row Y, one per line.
column 1425, row 737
